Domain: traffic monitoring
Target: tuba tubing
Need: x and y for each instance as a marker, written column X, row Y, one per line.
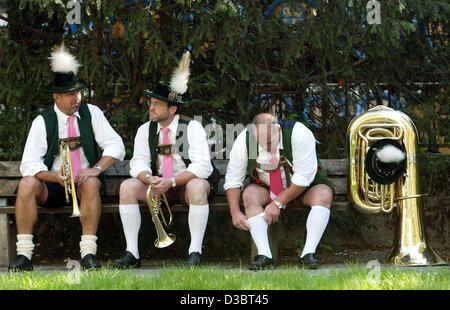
column 410, row 246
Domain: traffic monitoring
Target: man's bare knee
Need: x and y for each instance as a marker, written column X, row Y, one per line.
column 197, row 191
column 90, row 186
column 326, row 196
column 29, row 186
column 252, row 201
column 251, row 204
column 92, row 182
column 248, row 197
column 196, row 186
column 254, row 194
column 321, row 195
column 129, row 189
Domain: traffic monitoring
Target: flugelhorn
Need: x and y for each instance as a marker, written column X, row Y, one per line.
column 69, row 186
column 154, row 204
column 387, row 180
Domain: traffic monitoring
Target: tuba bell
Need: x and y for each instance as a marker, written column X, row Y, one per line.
column 154, row 204
column 383, row 177
column 69, row 186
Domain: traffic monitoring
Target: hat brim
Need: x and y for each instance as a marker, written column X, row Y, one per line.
column 150, row 94
column 80, row 85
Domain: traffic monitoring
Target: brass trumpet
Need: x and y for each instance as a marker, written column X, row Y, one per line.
column 69, row 187
column 154, row 203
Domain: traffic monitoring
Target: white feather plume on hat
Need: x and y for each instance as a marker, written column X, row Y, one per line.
column 180, row 76
column 63, row 61
column 390, row 154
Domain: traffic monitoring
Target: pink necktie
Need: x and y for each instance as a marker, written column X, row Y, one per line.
column 167, row 168
column 74, row 155
column 276, row 184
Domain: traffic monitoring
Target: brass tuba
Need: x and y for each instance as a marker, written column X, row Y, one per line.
column 154, row 203
column 375, row 186
column 69, row 187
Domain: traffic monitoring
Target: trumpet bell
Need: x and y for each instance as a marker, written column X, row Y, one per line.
column 165, row 241
column 75, row 213
column 69, row 185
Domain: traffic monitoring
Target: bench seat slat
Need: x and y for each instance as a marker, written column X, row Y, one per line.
column 113, row 208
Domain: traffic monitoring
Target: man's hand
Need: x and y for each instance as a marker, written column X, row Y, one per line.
column 161, row 185
column 60, row 178
column 271, row 213
column 84, row 174
column 240, row 220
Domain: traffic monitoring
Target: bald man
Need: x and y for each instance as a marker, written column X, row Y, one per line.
column 282, row 165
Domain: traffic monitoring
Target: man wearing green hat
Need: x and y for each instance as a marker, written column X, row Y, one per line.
column 155, row 161
column 43, row 183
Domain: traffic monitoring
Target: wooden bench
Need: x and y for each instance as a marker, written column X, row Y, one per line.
column 10, row 176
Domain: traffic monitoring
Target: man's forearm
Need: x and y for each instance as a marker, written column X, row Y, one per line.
column 292, row 192
column 142, row 176
column 233, row 197
column 184, row 177
column 47, row 176
column 180, row 179
column 105, row 162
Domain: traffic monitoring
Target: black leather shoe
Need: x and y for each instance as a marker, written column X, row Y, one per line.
column 309, row 261
column 89, row 262
column 194, row 259
column 127, row 261
column 20, row 263
column 261, row 262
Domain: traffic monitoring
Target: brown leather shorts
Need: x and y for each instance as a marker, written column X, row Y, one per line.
column 320, row 178
column 177, row 195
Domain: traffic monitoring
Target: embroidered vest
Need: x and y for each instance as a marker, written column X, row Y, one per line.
column 88, row 142
column 153, row 139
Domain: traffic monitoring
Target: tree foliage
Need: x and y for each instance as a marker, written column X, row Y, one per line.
column 240, row 50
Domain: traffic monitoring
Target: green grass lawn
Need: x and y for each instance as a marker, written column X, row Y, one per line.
column 220, row 278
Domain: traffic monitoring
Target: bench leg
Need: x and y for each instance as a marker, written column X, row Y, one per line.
column 7, row 239
column 273, row 241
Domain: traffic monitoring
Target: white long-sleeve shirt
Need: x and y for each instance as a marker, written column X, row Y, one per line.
column 198, row 151
column 36, row 146
column 303, row 153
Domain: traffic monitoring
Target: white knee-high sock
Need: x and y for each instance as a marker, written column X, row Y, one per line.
column 25, row 245
column 258, row 230
column 131, row 222
column 197, row 219
column 315, row 227
column 88, row 245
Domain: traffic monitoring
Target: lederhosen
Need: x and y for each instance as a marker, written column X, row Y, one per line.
column 177, row 194
column 285, row 162
column 86, row 140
